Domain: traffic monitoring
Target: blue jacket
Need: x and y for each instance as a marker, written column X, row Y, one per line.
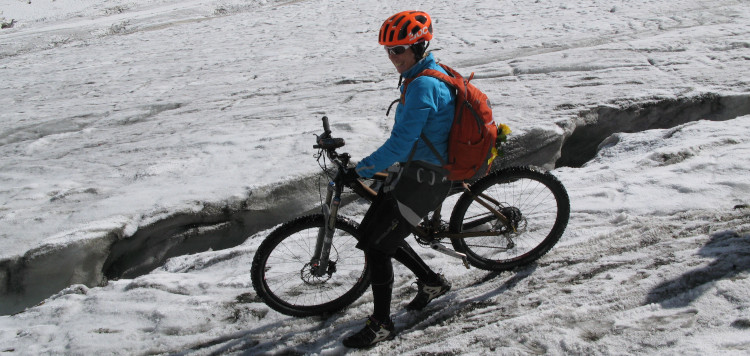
column 428, row 107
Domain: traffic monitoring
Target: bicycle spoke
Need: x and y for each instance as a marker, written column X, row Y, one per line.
column 529, row 200
column 288, row 279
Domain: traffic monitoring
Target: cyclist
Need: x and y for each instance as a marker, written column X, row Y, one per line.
column 426, row 108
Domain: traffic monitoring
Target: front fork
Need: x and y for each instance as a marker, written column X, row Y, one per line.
column 321, row 255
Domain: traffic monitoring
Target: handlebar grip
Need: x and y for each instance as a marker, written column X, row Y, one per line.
column 330, row 143
column 326, row 128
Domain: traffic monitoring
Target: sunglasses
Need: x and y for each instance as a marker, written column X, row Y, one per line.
column 396, row 50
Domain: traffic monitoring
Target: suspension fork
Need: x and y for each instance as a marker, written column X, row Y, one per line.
column 324, row 241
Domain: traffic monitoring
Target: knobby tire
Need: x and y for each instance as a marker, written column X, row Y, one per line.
column 280, row 269
column 540, row 198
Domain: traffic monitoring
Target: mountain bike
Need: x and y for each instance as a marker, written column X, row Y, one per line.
column 310, row 265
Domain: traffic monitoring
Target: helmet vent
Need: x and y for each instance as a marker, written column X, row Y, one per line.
column 398, row 20
column 404, row 29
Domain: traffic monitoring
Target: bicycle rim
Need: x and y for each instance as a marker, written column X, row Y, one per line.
column 538, row 204
column 282, row 276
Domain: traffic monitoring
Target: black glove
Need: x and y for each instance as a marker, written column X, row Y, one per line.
column 350, row 176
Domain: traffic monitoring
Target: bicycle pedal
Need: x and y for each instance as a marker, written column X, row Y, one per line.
column 466, row 262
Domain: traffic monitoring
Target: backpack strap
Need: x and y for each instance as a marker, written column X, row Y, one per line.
column 458, row 83
column 411, row 156
column 430, row 145
column 454, row 80
column 432, row 148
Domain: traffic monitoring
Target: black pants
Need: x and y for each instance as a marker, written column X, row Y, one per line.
column 383, row 232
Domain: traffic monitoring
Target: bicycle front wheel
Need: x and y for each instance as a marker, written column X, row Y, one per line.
column 283, row 276
column 535, row 202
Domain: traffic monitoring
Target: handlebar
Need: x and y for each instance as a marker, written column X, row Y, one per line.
column 341, row 176
column 325, row 141
column 329, row 143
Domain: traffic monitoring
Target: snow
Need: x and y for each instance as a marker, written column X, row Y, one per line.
column 121, row 114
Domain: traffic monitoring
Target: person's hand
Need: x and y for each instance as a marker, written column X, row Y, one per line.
column 350, row 176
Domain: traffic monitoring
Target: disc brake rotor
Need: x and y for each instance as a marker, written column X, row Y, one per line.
column 308, row 275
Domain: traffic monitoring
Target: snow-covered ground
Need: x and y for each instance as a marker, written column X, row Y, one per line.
column 119, row 114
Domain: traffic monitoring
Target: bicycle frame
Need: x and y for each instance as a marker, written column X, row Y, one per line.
column 429, row 232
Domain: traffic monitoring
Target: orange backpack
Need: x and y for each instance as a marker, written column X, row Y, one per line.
column 473, row 132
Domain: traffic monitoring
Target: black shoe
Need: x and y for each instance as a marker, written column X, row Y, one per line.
column 373, row 332
column 428, row 292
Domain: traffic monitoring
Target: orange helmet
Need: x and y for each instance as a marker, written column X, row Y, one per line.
column 406, row 28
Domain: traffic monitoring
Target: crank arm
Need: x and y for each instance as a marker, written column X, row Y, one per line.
column 440, row 248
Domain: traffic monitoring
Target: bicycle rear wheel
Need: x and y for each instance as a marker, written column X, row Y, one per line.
column 535, row 201
column 282, row 275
